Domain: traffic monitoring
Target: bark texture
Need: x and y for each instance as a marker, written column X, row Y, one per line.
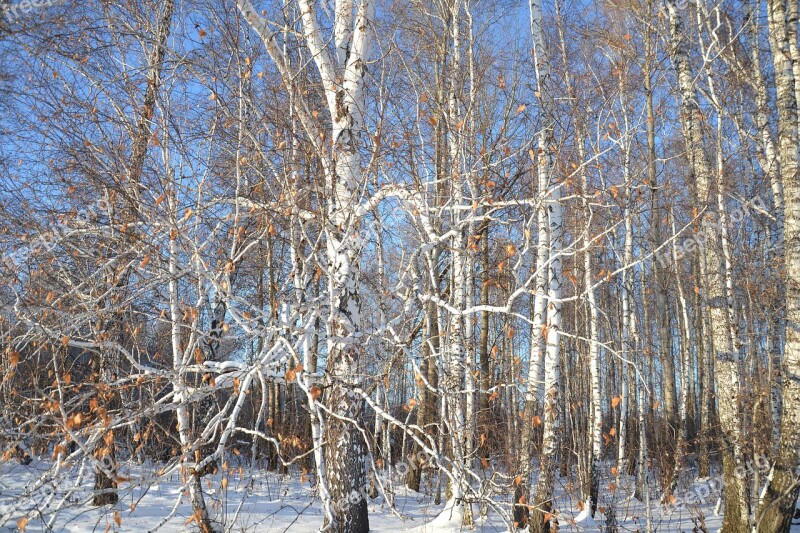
column 780, row 494
column 727, row 361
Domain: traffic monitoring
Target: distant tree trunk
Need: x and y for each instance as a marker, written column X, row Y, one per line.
column 642, row 491
column 483, row 342
column 680, row 448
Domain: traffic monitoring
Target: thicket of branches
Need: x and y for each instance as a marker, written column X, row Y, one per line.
column 499, row 242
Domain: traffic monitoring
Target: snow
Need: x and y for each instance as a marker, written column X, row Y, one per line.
column 449, row 519
column 260, row 501
column 584, row 518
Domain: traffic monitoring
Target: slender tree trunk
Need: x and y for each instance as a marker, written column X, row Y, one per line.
column 657, row 218
column 680, row 448
column 530, row 420
column 199, row 508
column 544, row 343
column 770, row 164
column 642, row 491
column 596, row 433
column 594, row 367
column 551, row 418
column 105, row 484
column 628, row 316
column 483, row 342
column 596, row 416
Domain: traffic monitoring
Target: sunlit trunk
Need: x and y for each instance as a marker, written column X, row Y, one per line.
column 727, row 359
column 779, row 496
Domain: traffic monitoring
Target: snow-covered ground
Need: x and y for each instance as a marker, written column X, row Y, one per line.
column 264, row 502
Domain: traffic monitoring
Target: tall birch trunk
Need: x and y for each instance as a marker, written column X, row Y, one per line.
column 342, row 72
column 596, row 411
column 657, row 216
column 345, row 456
column 483, row 341
column 769, row 161
column 537, row 351
column 539, row 357
column 736, row 502
column 628, row 307
column 455, row 378
column 551, row 195
column 596, row 433
column 779, row 496
column 680, row 448
column 627, row 326
column 642, row 491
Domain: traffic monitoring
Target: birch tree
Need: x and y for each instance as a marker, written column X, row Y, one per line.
column 550, row 195
column 342, row 69
column 344, row 239
column 779, row 496
column 736, row 506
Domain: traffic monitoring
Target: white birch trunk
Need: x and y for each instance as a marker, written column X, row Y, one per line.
column 342, row 74
column 627, row 324
column 680, row 448
column 736, row 508
column 551, row 195
column 534, row 386
column 628, row 308
column 779, row 496
column 770, row 164
column 192, row 476
column 594, row 368
column 455, row 378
